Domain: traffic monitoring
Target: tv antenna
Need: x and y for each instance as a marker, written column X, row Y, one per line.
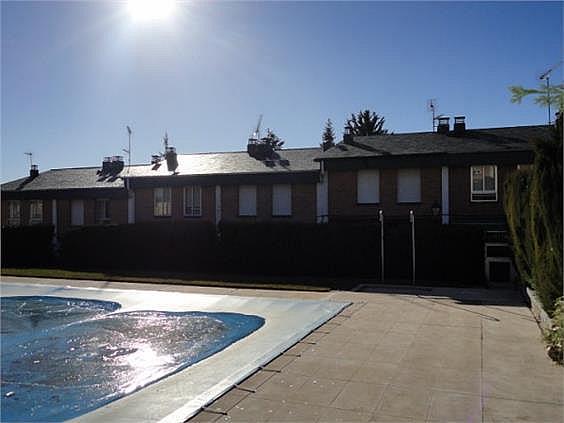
column 432, row 107
column 128, row 150
column 256, row 133
column 546, row 77
column 30, row 159
column 165, row 141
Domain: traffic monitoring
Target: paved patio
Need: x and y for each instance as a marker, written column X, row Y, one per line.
column 396, row 355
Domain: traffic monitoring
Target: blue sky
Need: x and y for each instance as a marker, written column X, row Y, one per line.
column 75, row 73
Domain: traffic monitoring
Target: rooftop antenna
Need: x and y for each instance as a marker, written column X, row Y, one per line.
column 30, row 159
column 256, row 134
column 431, row 107
column 546, row 77
column 128, row 151
column 165, row 141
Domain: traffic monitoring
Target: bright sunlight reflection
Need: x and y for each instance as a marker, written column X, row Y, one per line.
column 150, row 10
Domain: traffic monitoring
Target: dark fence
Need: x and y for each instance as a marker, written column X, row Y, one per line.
column 27, row 246
column 187, row 246
column 444, row 253
column 300, row 249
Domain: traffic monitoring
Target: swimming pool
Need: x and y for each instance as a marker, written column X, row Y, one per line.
column 63, row 357
column 127, row 366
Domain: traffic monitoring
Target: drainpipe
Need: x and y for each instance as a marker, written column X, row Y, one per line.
column 412, row 221
column 444, row 196
column 217, row 204
column 381, row 219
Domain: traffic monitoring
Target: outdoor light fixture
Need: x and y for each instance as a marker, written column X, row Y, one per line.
column 436, row 209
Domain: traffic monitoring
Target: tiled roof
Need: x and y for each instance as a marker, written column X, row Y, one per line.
column 287, row 161
column 489, row 140
column 65, row 179
column 239, row 162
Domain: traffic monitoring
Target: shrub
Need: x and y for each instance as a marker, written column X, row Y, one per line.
column 555, row 336
column 27, row 246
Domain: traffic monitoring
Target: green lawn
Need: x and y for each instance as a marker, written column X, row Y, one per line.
column 300, row 284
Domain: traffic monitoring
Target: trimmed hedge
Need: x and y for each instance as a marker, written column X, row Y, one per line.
column 27, row 246
column 187, row 246
column 300, row 249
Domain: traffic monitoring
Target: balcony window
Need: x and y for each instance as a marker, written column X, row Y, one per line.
column 193, row 201
column 102, row 210
column 483, row 183
column 162, row 202
column 14, row 213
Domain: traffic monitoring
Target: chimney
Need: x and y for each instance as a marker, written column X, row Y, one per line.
column 116, row 164
column 347, row 135
column 171, row 159
column 106, row 165
column 33, row 171
column 459, row 125
column 444, row 125
column 155, row 158
column 259, row 149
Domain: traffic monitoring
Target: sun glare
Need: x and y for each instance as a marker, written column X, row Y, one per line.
column 150, row 10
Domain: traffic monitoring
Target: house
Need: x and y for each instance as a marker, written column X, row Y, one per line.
column 235, row 186
column 457, row 173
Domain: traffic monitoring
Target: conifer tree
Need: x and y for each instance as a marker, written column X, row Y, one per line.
column 328, row 137
column 366, row 123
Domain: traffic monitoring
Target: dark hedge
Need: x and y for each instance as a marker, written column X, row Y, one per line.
column 27, row 246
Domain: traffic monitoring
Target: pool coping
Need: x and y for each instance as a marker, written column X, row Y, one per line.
column 280, row 332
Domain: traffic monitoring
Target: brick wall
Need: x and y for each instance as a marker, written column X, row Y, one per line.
column 303, row 204
column 343, row 194
column 459, row 193
column 144, row 211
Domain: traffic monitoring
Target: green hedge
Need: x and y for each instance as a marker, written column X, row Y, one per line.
column 534, row 215
column 27, row 246
column 186, row 246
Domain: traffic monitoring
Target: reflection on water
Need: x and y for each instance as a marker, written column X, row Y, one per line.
column 63, row 357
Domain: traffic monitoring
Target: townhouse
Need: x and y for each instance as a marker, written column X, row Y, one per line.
column 455, row 173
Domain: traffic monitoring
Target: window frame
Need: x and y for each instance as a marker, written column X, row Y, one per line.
column 106, row 219
column 196, row 211
column 14, row 220
column 166, row 210
column 278, row 213
column 377, row 195
column 398, row 201
column 254, row 214
column 483, row 191
column 35, row 218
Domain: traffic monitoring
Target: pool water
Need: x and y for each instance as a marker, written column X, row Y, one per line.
column 63, row 357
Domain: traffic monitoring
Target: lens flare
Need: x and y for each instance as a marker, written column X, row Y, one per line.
column 150, row 10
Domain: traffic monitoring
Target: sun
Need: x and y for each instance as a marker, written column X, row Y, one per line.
column 150, row 10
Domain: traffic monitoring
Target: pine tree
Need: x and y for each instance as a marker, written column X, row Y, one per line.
column 328, row 136
column 366, row 123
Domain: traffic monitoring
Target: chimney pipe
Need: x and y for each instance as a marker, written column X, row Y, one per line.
column 116, row 164
column 171, row 159
column 347, row 135
column 444, row 125
column 459, row 125
column 33, row 171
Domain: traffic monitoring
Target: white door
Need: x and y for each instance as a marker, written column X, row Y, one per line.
column 77, row 212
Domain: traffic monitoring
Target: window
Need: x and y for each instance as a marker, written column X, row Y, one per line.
column 368, row 186
column 77, row 212
column 483, row 183
column 282, row 200
column 409, row 185
column 102, row 210
column 35, row 212
column 193, row 201
column 247, row 200
column 162, row 206
column 13, row 213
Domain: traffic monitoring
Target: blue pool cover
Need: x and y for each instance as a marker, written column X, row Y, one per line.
column 63, row 357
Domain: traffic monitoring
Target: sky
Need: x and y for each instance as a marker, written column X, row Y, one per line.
column 75, row 73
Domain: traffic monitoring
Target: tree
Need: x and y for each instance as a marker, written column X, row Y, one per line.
column 556, row 97
column 366, row 123
column 272, row 140
column 328, row 136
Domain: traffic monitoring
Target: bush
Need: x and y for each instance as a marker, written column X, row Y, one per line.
column 534, row 214
column 186, row 246
column 555, row 336
column 27, row 246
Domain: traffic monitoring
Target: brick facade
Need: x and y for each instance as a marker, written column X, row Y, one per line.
column 343, row 194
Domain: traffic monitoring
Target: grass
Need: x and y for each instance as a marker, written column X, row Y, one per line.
column 224, row 281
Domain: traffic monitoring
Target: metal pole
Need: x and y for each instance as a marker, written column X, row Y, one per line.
column 548, row 96
column 381, row 218
column 412, row 221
